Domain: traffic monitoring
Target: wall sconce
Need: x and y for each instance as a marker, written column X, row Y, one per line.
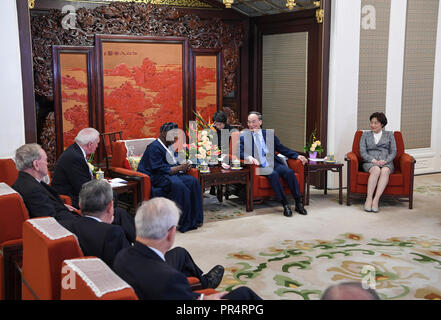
column 228, row 3
column 291, row 4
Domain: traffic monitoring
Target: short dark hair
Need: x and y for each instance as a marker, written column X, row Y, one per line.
column 167, row 126
column 381, row 117
column 349, row 291
column 220, row 116
column 256, row 113
column 95, row 196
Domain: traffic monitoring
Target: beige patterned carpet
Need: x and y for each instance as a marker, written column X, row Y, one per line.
column 398, row 250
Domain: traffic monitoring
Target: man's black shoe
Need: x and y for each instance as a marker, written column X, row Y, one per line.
column 214, row 276
column 287, row 210
column 300, row 209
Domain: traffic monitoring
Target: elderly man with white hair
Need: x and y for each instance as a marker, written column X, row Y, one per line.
column 146, row 267
column 72, row 171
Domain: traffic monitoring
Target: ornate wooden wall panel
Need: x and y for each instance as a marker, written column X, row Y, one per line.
column 132, row 19
column 74, row 92
column 207, row 85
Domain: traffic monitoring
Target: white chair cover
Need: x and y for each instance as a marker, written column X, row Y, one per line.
column 50, row 228
column 6, row 189
column 136, row 147
column 97, row 275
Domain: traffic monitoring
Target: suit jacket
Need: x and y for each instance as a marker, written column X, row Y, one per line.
column 40, row 199
column 71, row 172
column 386, row 149
column 150, row 276
column 247, row 137
column 156, row 163
column 99, row 239
column 219, row 136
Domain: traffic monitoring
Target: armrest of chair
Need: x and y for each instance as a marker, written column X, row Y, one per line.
column 66, row 199
column 298, row 167
column 407, row 165
column 194, row 172
column 128, row 173
column 352, row 165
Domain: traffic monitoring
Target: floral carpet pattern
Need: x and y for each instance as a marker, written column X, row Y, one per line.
column 398, row 268
column 396, row 251
column 227, row 209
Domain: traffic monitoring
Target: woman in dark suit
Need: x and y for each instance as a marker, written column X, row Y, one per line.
column 378, row 150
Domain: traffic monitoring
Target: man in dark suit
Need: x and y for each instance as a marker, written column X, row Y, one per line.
column 144, row 265
column 72, row 171
column 96, row 233
column 40, row 199
column 259, row 146
column 166, row 174
column 98, row 237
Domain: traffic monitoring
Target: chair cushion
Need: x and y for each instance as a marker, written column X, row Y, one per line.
column 133, row 162
column 264, row 183
column 395, row 179
column 127, row 164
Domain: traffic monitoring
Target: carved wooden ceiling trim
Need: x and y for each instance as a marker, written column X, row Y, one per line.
column 133, row 19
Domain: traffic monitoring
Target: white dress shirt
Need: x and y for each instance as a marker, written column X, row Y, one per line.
column 377, row 136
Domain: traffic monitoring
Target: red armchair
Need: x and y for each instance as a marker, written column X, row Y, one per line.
column 122, row 167
column 12, row 215
column 261, row 187
column 46, row 244
column 94, row 280
column 400, row 182
column 8, row 171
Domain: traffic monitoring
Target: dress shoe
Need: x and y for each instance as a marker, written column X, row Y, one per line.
column 214, row 276
column 287, row 210
column 367, row 209
column 375, row 209
column 300, row 209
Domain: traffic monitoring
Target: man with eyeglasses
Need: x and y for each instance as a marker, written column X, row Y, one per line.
column 259, row 146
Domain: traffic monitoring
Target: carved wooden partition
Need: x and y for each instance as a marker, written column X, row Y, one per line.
column 201, row 31
column 74, row 89
column 206, row 84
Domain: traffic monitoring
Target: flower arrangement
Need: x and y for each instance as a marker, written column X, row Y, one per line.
column 92, row 168
column 314, row 144
column 200, row 146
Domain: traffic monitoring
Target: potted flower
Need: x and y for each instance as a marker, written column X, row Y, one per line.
column 314, row 146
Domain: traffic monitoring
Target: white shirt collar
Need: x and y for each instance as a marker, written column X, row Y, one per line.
column 84, row 152
column 95, row 218
column 159, row 253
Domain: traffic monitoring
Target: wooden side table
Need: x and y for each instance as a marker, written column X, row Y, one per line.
column 129, row 187
column 324, row 166
column 219, row 176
